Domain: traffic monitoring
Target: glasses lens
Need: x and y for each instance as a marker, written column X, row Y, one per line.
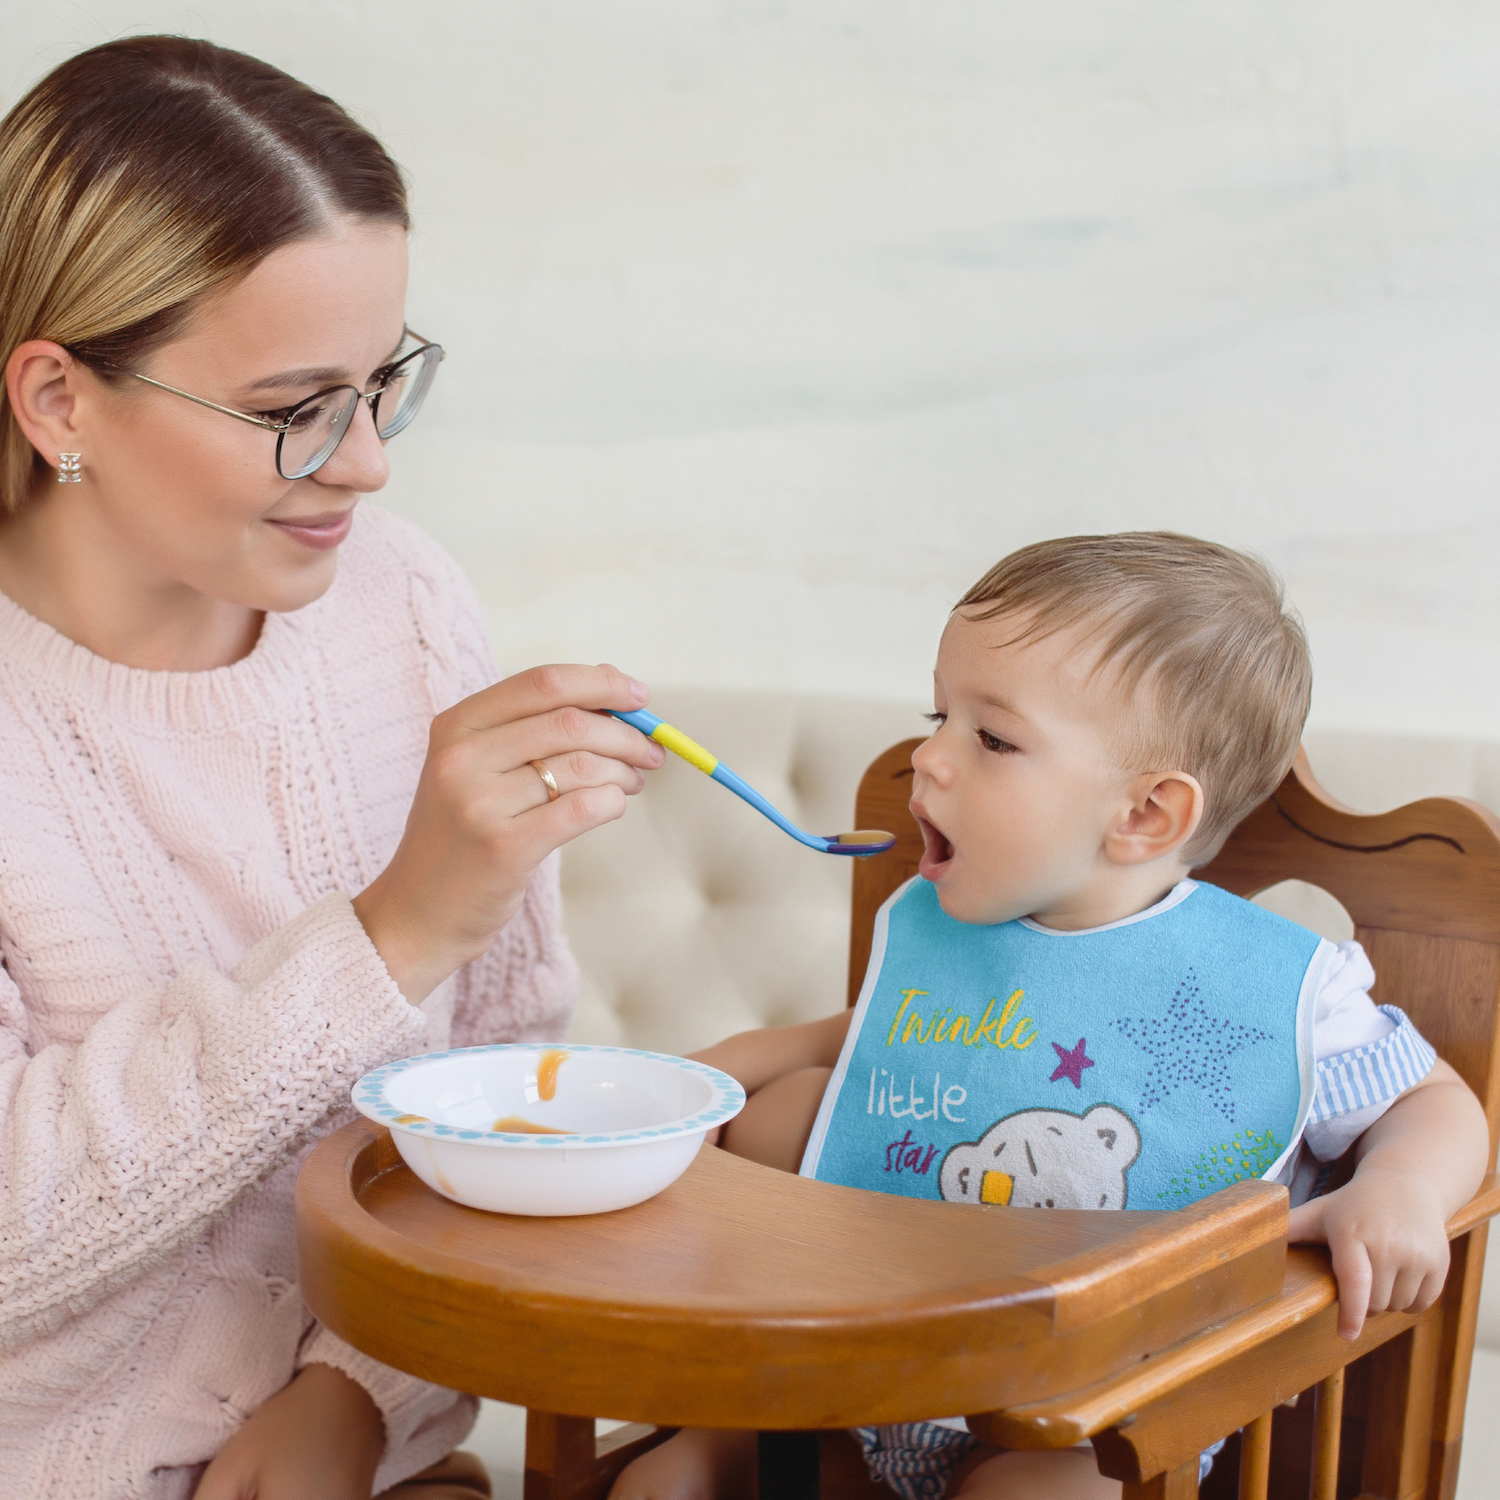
column 314, row 431
column 405, row 390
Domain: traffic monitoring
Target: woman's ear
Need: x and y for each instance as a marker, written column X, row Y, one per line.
column 1163, row 812
column 42, row 385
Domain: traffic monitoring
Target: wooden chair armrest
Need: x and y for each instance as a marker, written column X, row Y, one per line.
column 1304, row 1308
column 1484, row 1205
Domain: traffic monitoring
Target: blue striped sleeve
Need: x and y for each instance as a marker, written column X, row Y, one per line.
column 1373, row 1074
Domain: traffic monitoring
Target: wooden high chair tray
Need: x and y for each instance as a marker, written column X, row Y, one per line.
column 747, row 1297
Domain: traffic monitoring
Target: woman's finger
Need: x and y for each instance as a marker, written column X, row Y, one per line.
column 542, row 689
column 544, row 780
column 562, row 731
column 472, row 766
column 553, row 824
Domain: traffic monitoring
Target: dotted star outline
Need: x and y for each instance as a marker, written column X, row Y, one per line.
column 1191, row 1048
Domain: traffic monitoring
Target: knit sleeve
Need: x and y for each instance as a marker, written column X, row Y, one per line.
column 524, row 988
column 449, row 622
column 120, row 1149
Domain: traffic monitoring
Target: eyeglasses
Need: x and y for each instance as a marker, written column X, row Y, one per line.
column 308, row 433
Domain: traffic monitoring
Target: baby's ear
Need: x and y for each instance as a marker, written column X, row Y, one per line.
column 1163, row 811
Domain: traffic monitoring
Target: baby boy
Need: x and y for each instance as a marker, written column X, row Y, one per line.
column 1056, row 1014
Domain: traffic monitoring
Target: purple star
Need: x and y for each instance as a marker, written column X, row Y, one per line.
column 1071, row 1062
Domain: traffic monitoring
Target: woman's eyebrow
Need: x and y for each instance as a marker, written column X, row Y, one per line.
column 316, row 375
column 325, row 375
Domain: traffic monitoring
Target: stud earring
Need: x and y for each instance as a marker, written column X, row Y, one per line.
column 70, row 468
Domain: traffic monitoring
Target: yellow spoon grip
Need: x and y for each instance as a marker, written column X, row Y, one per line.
column 690, row 750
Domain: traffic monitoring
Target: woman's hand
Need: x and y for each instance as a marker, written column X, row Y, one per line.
column 318, row 1438
column 482, row 821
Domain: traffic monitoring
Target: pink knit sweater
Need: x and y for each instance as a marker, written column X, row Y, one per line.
column 187, row 997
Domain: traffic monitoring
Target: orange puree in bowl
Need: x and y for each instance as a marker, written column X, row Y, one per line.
column 517, row 1125
column 546, row 1073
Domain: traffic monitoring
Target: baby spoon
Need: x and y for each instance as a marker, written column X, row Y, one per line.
column 865, row 841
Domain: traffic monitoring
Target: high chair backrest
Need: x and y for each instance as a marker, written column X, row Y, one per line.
column 1422, row 885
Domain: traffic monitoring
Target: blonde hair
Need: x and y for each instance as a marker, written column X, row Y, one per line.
column 140, row 176
column 1198, row 636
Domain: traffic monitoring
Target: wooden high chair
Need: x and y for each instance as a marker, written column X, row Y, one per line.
column 1379, row 1417
column 746, row 1297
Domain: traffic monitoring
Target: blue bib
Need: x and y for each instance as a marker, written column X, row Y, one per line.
column 1147, row 1063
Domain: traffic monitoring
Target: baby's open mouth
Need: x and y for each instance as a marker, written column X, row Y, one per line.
column 937, row 850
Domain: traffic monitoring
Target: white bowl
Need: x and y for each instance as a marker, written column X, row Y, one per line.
column 632, row 1121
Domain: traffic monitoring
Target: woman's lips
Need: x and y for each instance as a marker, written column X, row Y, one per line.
column 937, row 852
column 317, row 532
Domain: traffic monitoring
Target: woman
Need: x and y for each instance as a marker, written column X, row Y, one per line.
column 230, row 696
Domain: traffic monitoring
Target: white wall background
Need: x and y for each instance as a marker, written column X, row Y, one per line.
column 773, row 324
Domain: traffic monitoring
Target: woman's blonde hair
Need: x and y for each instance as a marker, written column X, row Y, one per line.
column 141, row 176
column 1196, row 638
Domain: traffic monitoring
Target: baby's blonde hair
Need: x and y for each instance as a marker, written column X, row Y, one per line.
column 1198, row 637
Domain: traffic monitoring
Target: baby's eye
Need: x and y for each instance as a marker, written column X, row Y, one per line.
column 938, row 719
column 994, row 742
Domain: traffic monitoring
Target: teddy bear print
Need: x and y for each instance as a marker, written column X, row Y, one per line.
column 1045, row 1158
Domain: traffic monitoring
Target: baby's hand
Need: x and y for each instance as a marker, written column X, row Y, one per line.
column 698, row 1463
column 1386, row 1232
column 319, row 1438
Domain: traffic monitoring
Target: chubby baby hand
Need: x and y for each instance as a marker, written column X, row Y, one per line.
column 1386, row 1233
column 698, row 1463
column 319, row 1438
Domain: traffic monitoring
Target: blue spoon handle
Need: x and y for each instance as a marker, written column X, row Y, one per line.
column 691, row 751
column 725, row 777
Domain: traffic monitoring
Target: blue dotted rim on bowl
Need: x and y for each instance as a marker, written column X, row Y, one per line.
column 370, row 1100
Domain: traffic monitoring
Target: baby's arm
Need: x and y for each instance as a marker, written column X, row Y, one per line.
column 1418, row 1164
column 784, row 1070
column 754, row 1058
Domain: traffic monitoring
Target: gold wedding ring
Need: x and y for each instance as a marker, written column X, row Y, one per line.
column 540, row 767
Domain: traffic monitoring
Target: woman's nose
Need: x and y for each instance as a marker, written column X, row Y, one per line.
column 359, row 462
